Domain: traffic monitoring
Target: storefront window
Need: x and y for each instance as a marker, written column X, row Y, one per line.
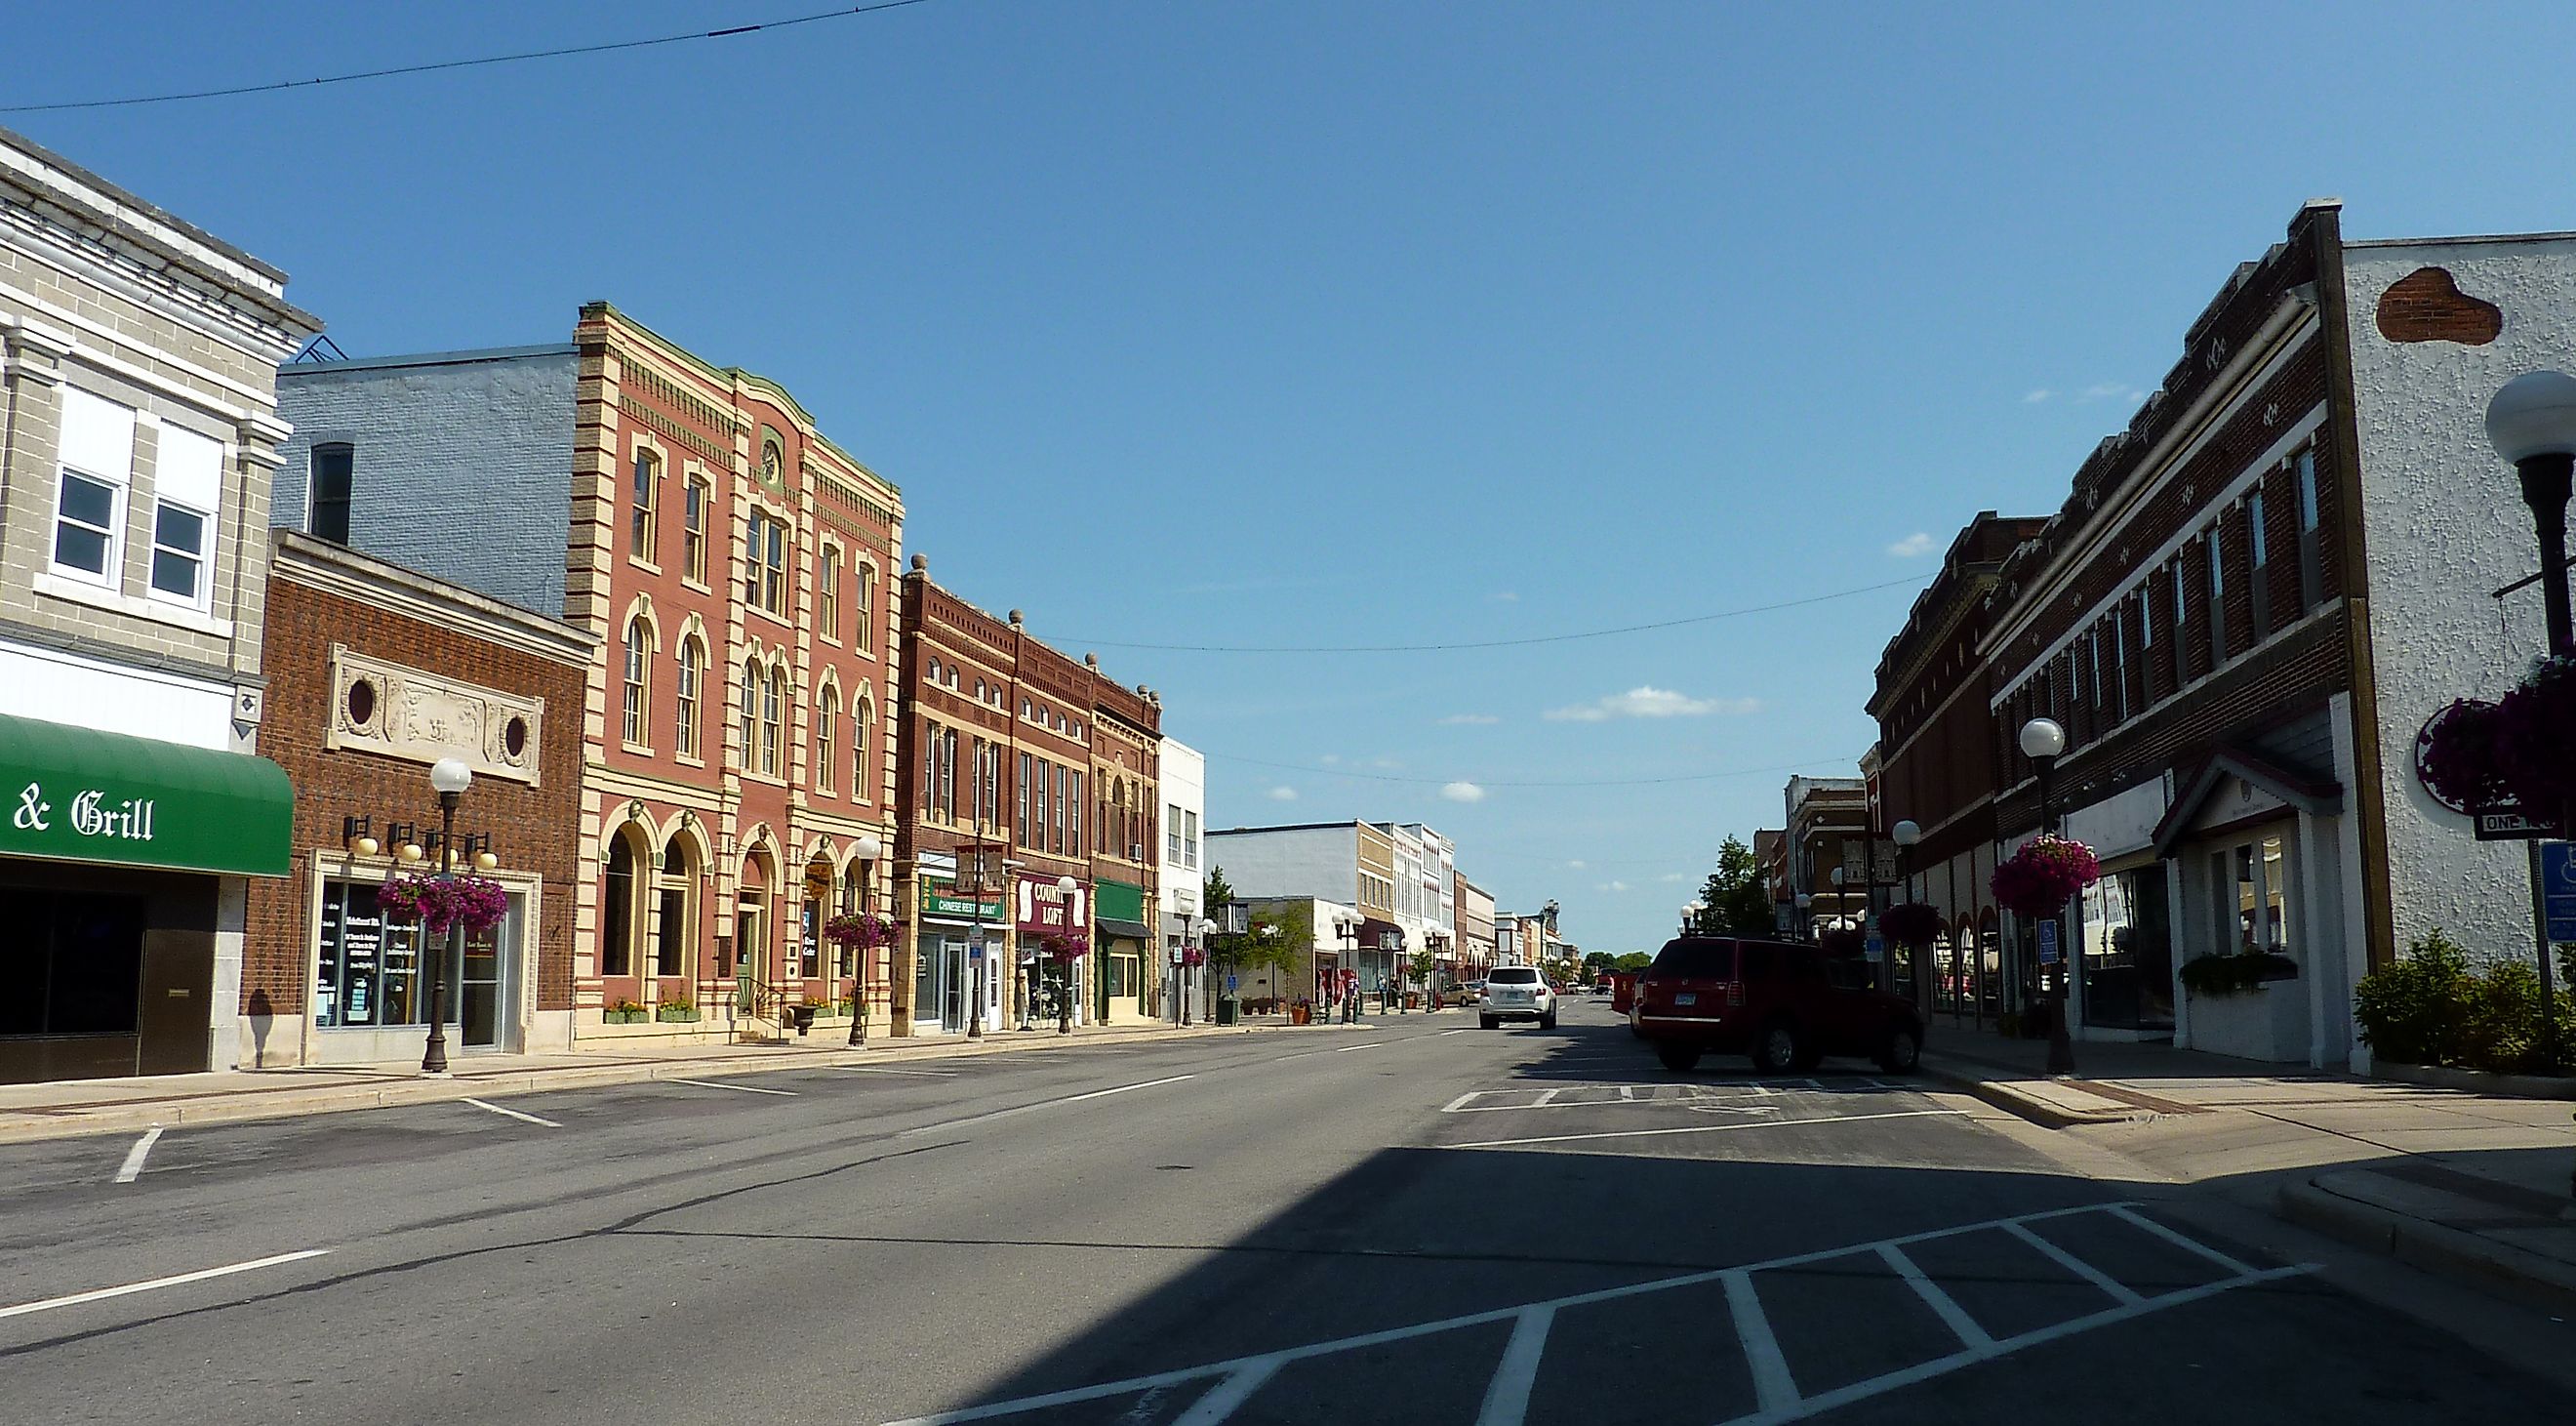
column 2128, row 955
column 2262, row 907
column 73, row 962
column 369, row 971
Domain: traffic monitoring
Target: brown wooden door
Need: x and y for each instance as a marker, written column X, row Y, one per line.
column 177, row 1001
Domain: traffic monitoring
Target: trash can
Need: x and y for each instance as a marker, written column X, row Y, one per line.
column 1301, row 1013
column 1225, row 1010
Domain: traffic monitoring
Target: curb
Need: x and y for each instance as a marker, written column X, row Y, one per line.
column 2012, row 1101
column 287, row 1103
column 2514, row 1086
column 2528, row 1278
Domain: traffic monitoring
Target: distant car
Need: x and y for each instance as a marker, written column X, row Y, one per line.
column 1786, row 1005
column 1600, row 988
column 1517, row 993
column 1473, row 991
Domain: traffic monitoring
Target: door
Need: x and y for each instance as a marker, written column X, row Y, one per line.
column 177, row 993
column 482, row 985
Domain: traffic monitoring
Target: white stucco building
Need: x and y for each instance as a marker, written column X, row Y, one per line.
column 1180, row 857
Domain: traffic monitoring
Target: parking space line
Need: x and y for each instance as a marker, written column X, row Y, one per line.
column 1773, row 1388
column 2118, row 1289
column 739, row 1088
column 200, row 1275
column 511, row 1113
column 2179, row 1241
column 1230, row 1394
column 1507, row 1396
column 1461, row 1030
column 1371, row 1045
column 1942, row 1304
column 880, row 1069
column 1462, row 1101
column 1628, row 1092
column 1546, row 1097
column 132, row 1168
column 1698, row 1129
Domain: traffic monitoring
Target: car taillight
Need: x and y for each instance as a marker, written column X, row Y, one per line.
column 1734, row 995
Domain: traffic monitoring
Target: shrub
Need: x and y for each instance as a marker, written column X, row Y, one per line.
column 2415, row 1009
column 2504, row 1020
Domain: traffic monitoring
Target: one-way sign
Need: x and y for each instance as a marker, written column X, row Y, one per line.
column 2513, row 827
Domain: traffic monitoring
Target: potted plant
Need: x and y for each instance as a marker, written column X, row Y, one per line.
column 624, row 1012
column 1910, row 923
column 2039, row 879
column 859, row 931
column 2535, row 758
column 804, row 1015
column 679, row 1010
column 441, row 901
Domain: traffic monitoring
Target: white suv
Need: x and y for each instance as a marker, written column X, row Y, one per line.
column 1517, row 993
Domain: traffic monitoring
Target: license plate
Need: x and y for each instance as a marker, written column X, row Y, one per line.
column 1686, row 998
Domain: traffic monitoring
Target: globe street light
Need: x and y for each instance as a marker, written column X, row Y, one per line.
column 2532, row 424
column 866, row 847
column 1065, row 887
column 2043, row 741
column 1905, row 834
column 448, row 777
column 1200, row 929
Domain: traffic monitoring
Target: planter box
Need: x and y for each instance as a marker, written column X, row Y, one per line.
column 676, row 1014
column 2269, row 1023
column 624, row 1017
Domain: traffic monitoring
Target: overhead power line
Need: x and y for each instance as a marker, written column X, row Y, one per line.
column 1497, row 643
column 565, row 52
column 1482, row 782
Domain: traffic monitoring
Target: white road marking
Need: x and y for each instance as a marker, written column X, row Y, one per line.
column 1507, row 1396
column 2179, row 1241
column 1792, row 1408
column 1371, row 1045
column 133, row 1165
column 1773, row 1388
column 1943, row 1305
column 879, row 1069
column 200, row 1275
column 1697, row 1129
column 513, row 1113
column 2119, row 1290
column 987, row 1118
column 1461, row 1030
column 718, row 1084
column 1459, row 1104
column 1628, row 1092
column 1545, row 1098
column 1230, row 1394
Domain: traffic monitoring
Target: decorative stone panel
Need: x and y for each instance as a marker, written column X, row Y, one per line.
column 383, row 707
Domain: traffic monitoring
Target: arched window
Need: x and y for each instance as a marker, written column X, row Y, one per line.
column 675, row 954
column 638, row 651
column 642, row 522
column 773, row 720
column 692, row 674
column 750, row 716
column 827, row 593
column 862, row 786
column 865, row 602
column 620, row 928
column 827, row 718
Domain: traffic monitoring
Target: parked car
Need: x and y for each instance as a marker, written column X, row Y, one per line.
column 1472, row 992
column 1787, row 1005
column 1517, row 993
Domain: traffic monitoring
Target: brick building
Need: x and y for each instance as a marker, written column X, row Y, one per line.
column 736, row 568
column 1006, row 742
column 374, row 673
column 138, row 430
column 2248, row 605
column 1126, row 786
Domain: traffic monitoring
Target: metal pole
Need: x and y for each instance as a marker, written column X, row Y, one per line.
column 2061, row 1044
column 433, row 1059
column 975, row 949
column 2545, row 488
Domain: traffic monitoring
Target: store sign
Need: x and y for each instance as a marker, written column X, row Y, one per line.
column 2558, row 889
column 1044, row 906
column 967, row 908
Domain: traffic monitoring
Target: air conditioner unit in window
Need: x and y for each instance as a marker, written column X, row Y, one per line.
column 1135, row 851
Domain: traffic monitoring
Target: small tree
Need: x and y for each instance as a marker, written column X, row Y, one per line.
column 1736, row 899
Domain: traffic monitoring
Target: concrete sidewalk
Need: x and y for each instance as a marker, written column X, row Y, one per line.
column 2476, row 1186
column 63, row 1109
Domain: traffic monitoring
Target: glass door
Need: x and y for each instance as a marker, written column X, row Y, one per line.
column 482, row 983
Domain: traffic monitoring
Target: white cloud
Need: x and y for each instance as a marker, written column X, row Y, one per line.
column 1913, row 546
column 1461, row 792
column 2036, row 396
column 1460, row 720
column 2111, row 391
column 1505, row 596
column 1647, row 701
column 1577, row 865
column 1388, row 763
column 1283, row 794
column 1614, row 886
column 1677, row 876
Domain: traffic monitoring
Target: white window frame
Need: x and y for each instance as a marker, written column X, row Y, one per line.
column 827, row 592
column 120, row 492
column 202, row 600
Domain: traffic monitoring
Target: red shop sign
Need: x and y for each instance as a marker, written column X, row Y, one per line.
column 1040, row 905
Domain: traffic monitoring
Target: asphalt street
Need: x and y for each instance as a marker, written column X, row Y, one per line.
column 1418, row 1221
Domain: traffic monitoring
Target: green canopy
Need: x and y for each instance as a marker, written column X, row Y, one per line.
column 81, row 795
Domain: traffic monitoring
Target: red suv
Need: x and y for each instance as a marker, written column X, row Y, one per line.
column 1786, row 1005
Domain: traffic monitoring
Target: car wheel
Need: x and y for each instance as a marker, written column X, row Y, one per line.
column 1547, row 1021
column 1678, row 1058
column 1487, row 1021
column 1903, row 1052
column 1779, row 1047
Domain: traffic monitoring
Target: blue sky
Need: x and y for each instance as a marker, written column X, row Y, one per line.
column 1318, row 324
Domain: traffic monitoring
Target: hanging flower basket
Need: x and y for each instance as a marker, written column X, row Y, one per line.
column 439, row 902
column 2535, row 751
column 1061, row 945
column 1193, row 956
column 1910, row 923
column 2457, row 756
column 1843, row 943
column 2044, row 875
column 862, row 931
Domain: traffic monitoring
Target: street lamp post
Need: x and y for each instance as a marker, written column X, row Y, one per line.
column 1065, row 887
column 980, row 953
column 1690, row 917
column 2532, row 424
column 448, row 777
column 2043, row 741
column 1805, row 901
column 1905, row 834
column 868, row 848
column 1203, row 928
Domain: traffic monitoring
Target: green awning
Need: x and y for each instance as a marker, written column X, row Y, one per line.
column 81, row 795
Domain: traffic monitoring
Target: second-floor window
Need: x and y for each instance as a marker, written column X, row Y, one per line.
column 692, row 672
column 2256, row 584
column 2311, row 582
column 773, row 721
column 639, row 520
column 862, row 785
column 2217, row 599
column 693, row 531
column 1190, row 839
column 188, row 484
column 827, row 717
column 1172, row 834
column 750, row 713
column 89, row 498
column 638, row 652
column 864, row 603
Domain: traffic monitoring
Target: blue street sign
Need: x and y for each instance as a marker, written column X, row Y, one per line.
column 1233, row 982
column 2558, row 889
column 2048, row 942
column 1877, row 948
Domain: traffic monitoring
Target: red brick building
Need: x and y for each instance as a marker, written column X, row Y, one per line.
column 375, row 672
column 1005, row 742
